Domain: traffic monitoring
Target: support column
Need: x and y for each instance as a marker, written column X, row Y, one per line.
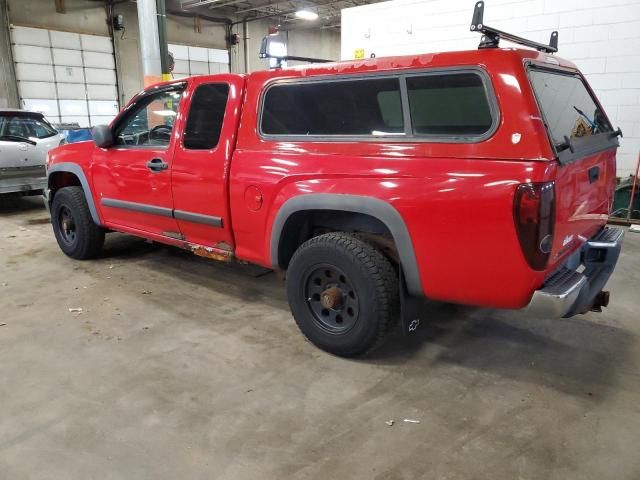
column 149, row 41
column 8, row 84
column 162, row 37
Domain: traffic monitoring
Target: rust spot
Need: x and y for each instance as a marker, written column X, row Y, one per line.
column 224, row 246
column 211, row 253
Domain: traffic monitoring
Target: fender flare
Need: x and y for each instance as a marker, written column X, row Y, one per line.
column 78, row 172
column 374, row 207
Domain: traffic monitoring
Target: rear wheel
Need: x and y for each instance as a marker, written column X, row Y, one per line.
column 343, row 293
column 77, row 234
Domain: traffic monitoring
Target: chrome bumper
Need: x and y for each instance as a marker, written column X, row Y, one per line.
column 568, row 291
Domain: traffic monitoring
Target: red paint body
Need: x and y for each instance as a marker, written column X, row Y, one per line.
column 456, row 199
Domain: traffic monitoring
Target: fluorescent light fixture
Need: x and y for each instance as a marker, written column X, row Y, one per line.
column 307, row 14
column 164, row 113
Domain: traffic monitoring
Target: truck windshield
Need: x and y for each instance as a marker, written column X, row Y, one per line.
column 568, row 107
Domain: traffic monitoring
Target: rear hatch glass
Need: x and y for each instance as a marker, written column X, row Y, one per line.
column 575, row 122
column 585, row 145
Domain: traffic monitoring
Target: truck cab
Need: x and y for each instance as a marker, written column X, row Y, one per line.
column 480, row 177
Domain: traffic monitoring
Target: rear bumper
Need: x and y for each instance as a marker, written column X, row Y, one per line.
column 22, row 179
column 569, row 291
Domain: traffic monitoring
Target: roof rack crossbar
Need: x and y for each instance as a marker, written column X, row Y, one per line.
column 491, row 36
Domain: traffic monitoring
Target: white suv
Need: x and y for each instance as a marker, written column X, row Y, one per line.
column 25, row 139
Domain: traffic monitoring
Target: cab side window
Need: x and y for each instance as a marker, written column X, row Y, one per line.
column 150, row 122
column 206, row 116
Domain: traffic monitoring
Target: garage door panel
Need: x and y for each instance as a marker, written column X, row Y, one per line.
column 100, row 76
column 95, row 43
column 69, row 74
column 102, row 92
column 30, row 36
column 179, row 52
column 66, row 57
column 98, row 60
column 38, row 90
column 199, row 68
column 101, row 120
column 66, row 40
column 81, row 120
column 181, row 66
column 103, row 108
column 71, row 91
column 34, row 73
column 218, row 56
column 198, row 54
column 31, row 54
column 48, row 108
column 73, row 107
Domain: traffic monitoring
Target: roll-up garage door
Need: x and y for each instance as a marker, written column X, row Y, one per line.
column 192, row 61
column 69, row 77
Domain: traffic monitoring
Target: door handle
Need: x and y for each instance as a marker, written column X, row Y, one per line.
column 157, row 165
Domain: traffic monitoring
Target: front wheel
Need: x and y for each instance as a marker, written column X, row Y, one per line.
column 343, row 293
column 77, row 234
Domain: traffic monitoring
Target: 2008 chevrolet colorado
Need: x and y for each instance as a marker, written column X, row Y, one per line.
column 477, row 177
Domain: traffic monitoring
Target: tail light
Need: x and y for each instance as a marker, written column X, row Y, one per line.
column 534, row 216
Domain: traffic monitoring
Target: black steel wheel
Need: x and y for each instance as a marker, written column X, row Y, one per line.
column 343, row 293
column 67, row 227
column 332, row 299
column 77, row 234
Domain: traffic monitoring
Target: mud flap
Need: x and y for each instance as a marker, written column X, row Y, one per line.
column 410, row 308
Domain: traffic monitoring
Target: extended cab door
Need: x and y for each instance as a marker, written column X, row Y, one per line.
column 132, row 178
column 202, row 160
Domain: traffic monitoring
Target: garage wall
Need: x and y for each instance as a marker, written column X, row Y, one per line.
column 601, row 37
column 301, row 42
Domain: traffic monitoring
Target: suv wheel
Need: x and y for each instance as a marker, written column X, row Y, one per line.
column 343, row 293
column 77, row 235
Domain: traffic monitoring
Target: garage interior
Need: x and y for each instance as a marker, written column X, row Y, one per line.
column 150, row 362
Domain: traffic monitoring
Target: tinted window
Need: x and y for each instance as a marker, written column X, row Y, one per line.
column 567, row 106
column 353, row 107
column 206, row 116
column 150, row 121
column 453, row 104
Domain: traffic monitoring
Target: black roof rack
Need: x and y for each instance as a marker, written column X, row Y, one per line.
column 491, row 36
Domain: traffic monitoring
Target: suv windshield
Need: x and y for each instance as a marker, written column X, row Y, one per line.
column 568, row 107
column 25, row 126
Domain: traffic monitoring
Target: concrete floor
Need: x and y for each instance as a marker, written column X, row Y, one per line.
column 182, row 368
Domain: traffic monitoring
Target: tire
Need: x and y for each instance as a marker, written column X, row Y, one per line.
column 343, row 293
column 77, row 234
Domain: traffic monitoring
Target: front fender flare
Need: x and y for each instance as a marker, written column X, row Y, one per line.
column 78, row 172
column 374, row 207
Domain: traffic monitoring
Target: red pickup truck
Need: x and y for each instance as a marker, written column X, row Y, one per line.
column 476, row 177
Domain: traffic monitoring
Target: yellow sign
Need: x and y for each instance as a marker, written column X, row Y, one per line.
column 359, row 53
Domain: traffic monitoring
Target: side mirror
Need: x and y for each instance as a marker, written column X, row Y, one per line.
column 102, row 136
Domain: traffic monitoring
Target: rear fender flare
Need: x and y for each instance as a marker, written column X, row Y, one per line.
column 374, row 207
column 78, row 172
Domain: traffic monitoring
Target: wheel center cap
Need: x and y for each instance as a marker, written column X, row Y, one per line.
column 331, row 297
